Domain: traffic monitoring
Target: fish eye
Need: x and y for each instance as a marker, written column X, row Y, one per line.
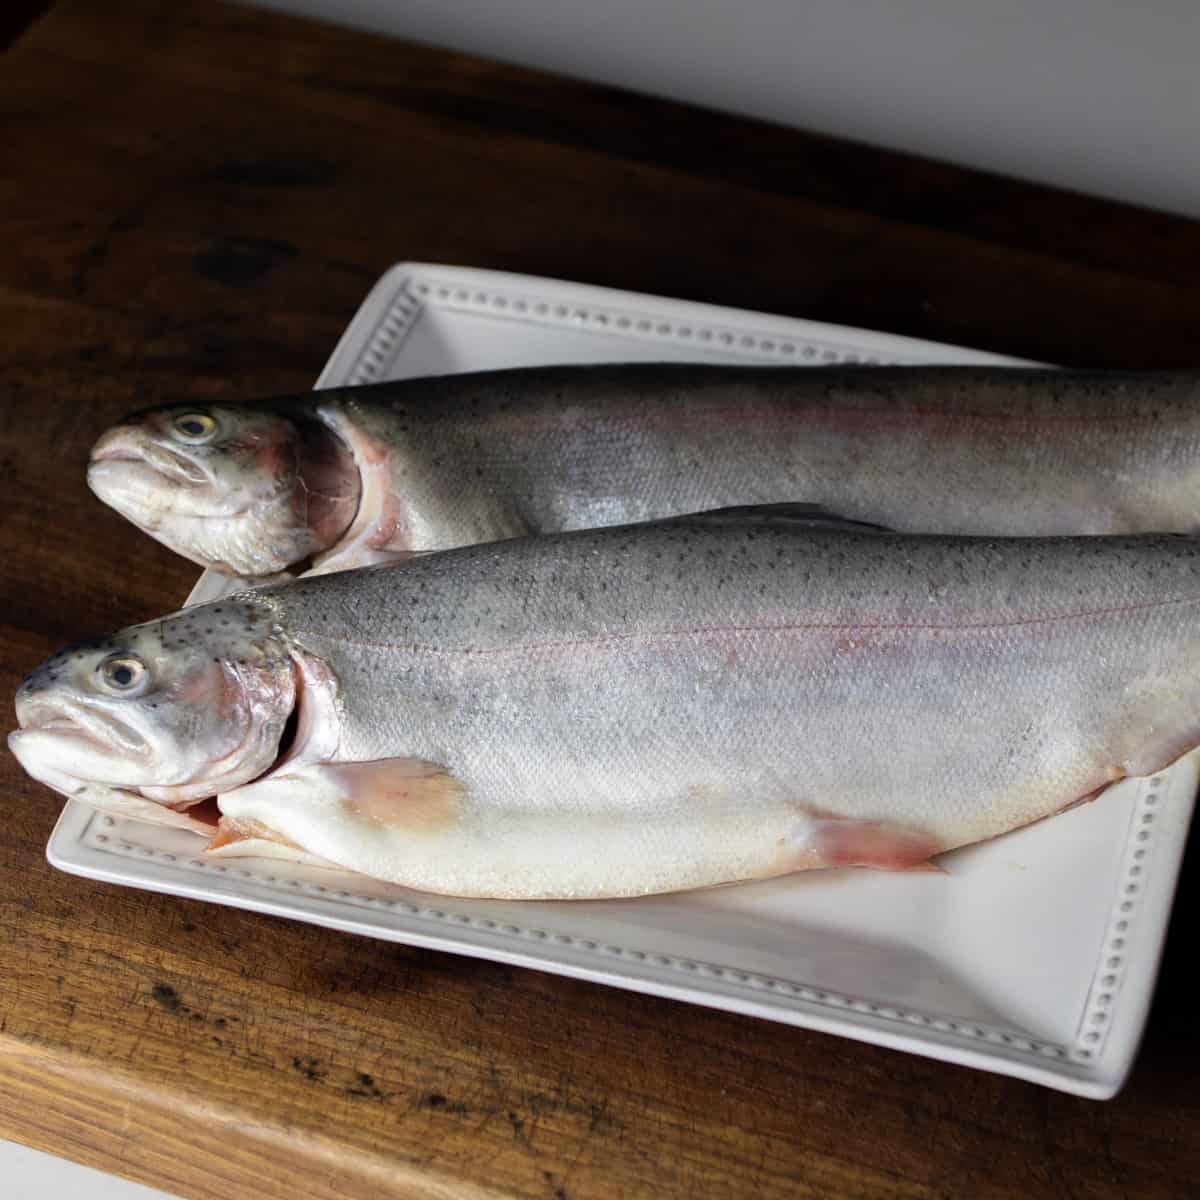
column 194, row 427
column 122, row 674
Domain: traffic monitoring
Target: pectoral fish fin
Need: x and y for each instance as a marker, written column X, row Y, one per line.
column 307, row 809
column 356, row 556
column 813, row 516
column 854, row 843
column 398, row 793
column 252, row 839
column 213, row 585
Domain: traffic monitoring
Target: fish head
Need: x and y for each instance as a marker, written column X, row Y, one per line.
column 242, row 490
column 174, row 711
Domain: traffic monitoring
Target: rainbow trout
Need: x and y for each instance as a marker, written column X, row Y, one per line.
column 354, row 475
column 642, row 709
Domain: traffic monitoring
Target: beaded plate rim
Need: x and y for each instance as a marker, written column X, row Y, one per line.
column 87, row 842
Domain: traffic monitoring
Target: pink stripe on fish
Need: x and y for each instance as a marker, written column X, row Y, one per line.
column 863, row 628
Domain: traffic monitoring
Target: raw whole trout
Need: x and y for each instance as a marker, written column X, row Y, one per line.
column 355, row 475
column 645, row 708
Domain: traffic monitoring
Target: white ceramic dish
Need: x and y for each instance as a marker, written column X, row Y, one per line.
column 1034, row 956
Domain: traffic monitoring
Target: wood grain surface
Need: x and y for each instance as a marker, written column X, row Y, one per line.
column 193, row 201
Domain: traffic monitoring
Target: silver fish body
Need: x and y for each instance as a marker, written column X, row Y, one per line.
column 455, row 460
column 692, row 702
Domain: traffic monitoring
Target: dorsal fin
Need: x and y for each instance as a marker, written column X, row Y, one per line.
column 812, row 516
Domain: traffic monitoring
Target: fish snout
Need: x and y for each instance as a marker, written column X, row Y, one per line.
column 41, row 703
column 33, row 694
column 121, row 443
column 119, row 474
column 126, row 447
column 142, row 479
column 39, row 719
column 61, row 730
column 47, row 700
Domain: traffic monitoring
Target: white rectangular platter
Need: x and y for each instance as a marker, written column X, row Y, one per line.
column 1034, row 955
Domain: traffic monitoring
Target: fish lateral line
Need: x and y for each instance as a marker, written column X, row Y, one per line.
column 719, row 630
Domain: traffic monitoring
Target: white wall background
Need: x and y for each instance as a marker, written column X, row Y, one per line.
column 1102, row 96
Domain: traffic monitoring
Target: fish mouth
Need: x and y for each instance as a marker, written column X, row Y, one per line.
column 134, row 488
column 176, row 465
column 157, row 500
column 200, row 817
column 94, row 728
column 166, row 461
column 133, row 446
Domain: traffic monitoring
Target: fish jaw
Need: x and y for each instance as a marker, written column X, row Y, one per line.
column 118, row 802
column 68, row 736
